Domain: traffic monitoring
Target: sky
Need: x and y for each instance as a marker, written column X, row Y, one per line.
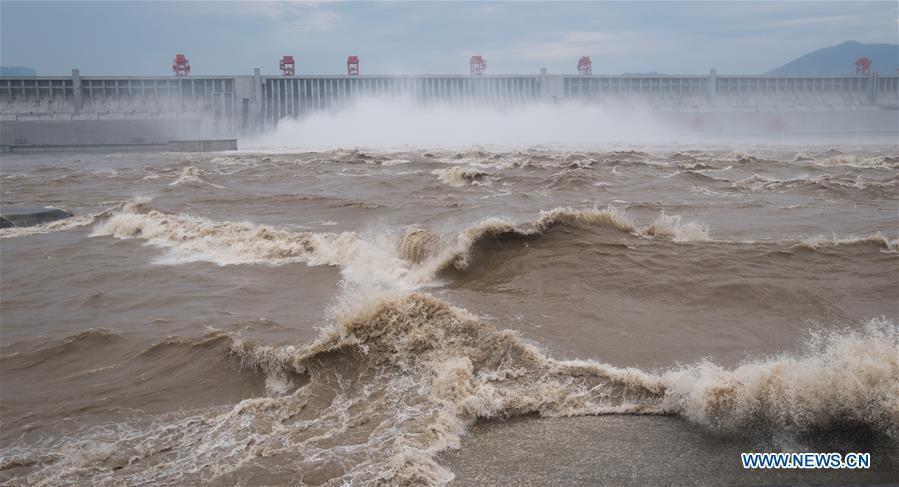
column 141, row 38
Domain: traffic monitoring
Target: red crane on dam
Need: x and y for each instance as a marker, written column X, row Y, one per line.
column 352, row 66
column 863, row 66
column 288, row 68
column 585, row 66
column 181, row 66
column 478, row 65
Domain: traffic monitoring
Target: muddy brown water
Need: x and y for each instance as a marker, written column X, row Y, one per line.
column 531, row 317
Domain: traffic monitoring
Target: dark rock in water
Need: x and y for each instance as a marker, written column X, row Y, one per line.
column 27, row 216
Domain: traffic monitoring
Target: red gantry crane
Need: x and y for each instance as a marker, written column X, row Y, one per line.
column 863, row 66
column 288, row 68
column 181, row 66
column 352, row 66
column 585, row 66
column 478, row 65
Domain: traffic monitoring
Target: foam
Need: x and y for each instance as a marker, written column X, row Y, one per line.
column 63, row 225
column 673, row 227
column 458, row 176
column 875, row 239
column 194, row 238
column 850, row 377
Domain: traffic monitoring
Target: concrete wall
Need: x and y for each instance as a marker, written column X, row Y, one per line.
column 171, row 146
column 93, row 110
column 82, row 131
column 101, row 110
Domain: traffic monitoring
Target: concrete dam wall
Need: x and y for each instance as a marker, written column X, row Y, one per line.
column 107, row 110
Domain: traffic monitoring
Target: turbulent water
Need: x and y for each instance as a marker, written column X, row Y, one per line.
column 346, row 317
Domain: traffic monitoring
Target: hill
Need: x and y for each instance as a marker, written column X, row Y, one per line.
column 840, row 59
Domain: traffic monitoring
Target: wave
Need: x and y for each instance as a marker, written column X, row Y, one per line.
column 876, row 239
column 70, row 355
column 433, row 254
column 741, row 157
column 698, row 175
column 414, row 259
column 370, row 262
column 395, row 162
column 63, row 225
column 836, row 158
column 570, row 177
column 697, row 166
column 696, row 160
column 756, row 183
column 845, row 376
column 529, row 159
column 81, row 342
column 839, row 379
column 194, row 238
column 398, row 378
column 190, row 175
column 458, row 176
column 15, row 176
column 437, row 253
column 466, row 370
column 625, row 155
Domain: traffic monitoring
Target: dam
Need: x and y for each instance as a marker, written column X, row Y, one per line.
column 147, row 110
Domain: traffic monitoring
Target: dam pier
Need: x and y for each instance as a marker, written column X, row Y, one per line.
column 76, row 109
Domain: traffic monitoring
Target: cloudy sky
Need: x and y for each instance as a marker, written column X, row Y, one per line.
column 140, row 38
